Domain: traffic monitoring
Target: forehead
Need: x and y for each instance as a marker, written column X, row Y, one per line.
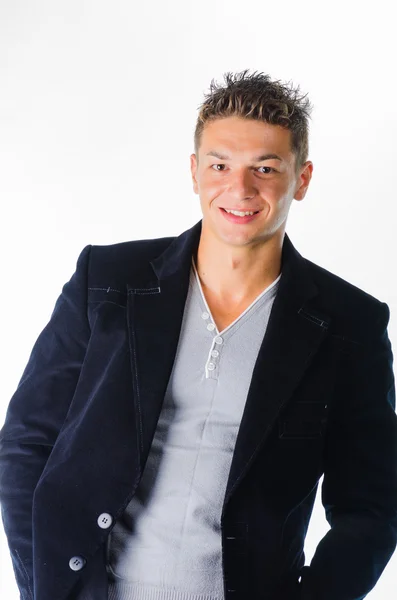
column 245, row 136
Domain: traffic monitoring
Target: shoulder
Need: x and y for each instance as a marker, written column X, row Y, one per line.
column 355, row 314
column 113, row 263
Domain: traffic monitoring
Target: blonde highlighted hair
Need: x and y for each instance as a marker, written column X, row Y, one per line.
column 258, row 97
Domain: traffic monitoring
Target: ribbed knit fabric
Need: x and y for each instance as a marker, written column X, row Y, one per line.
column 167, row 545
column 143, row 591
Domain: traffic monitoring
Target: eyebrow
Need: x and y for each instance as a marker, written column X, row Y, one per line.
column 255, row 159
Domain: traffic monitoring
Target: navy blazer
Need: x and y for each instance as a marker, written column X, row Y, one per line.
column 321, row 401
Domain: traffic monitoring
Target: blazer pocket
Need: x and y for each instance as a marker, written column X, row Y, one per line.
column 305, row 419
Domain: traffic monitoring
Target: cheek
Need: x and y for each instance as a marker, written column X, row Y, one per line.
column 276, row 187
column 210, row 180
column 210, row 187
column 277, row 194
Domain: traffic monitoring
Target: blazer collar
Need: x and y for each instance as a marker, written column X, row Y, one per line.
column 176, row 261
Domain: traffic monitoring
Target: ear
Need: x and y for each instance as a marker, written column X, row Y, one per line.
column 193, row 169
column 303, row 180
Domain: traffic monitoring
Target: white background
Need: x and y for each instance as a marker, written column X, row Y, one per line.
column 98, row 103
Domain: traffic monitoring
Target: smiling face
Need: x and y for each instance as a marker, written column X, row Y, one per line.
column 246, row 165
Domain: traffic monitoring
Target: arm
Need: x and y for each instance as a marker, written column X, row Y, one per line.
column 359, row 491
column 35, row 416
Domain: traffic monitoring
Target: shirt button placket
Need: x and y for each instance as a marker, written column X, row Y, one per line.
column 211, row 366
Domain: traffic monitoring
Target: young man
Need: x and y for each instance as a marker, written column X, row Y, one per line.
column 177, row 412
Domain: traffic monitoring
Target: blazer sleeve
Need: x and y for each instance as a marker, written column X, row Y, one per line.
column 35, row 416
column 359, row 491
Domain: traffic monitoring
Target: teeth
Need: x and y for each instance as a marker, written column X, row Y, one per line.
column 239, row 213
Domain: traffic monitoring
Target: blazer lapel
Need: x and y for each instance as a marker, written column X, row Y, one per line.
column 156, row 300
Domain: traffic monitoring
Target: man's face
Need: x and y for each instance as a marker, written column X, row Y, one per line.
column 241, row 178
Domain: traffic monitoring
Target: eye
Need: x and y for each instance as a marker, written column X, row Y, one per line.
column 222, row 165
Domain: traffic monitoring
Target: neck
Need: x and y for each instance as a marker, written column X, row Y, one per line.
column 233, row 273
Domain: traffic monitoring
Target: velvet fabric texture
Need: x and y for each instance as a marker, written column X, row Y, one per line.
column 321, row 401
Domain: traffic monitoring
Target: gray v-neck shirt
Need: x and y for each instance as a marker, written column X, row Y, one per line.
column 167, row 545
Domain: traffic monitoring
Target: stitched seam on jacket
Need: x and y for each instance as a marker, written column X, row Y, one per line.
column 109, row 289
column 26, row 573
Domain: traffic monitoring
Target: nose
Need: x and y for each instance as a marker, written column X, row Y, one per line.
column 242, row 185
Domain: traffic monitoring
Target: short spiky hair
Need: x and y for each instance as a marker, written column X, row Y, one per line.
column 258, row 97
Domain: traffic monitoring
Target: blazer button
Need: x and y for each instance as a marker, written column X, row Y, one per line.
column 76, row 563
column 104, row 520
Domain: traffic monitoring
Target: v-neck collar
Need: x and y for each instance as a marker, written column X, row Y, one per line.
column 254, row 302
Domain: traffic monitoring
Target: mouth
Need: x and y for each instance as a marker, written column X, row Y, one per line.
column 246, row 210
column 237, row 219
